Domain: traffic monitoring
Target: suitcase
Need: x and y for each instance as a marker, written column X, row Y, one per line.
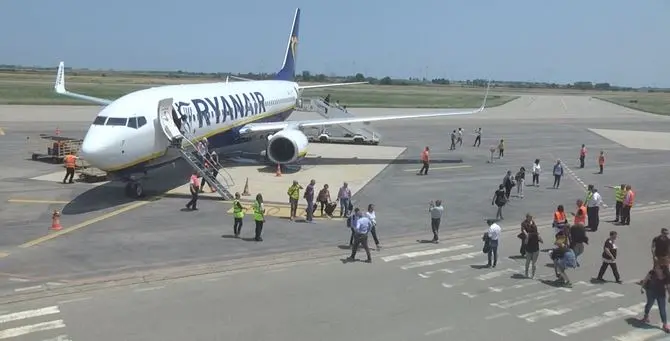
column 330, row 208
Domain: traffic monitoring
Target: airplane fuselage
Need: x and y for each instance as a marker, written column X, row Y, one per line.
column 126, row 136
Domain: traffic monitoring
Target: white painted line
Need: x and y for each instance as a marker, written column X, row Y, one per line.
column 664, row 201
column 14, row 332
column 37, row 287
column 427, row 274
column 495, row 316
column 639, row 334
column 55, row 284
column 597, row 321
column 75, row 300
column 439, row 330
column 469, row 295
column 536, row 296
column 441, row 260
column 59, row 338
column 14, row 279
column 566, row 308
column 652, row 203
column 149, row 289
column 494, row 274
column 426, row 252
column 29, row 314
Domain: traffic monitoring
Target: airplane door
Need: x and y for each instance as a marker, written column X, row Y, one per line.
column 165, row 118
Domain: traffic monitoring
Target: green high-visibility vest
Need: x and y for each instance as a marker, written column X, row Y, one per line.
column 237, row 209
column 258, row 211
column 619, row 194
column 589, row 196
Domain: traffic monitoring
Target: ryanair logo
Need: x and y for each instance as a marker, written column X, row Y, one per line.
column 294, row 45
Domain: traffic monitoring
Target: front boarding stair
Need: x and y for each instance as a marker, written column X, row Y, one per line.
column 190, row 153
column 332, row 110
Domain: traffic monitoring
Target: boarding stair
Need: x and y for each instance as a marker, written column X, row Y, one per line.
column 185, row 143
column 333, row 110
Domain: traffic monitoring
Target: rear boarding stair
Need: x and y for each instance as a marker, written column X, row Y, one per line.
column 190, row 153
column 331, row 110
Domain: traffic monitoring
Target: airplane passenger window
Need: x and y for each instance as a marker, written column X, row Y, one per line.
column 141, row 121
column 132, row 122
column 116, row 121
column 100, row 120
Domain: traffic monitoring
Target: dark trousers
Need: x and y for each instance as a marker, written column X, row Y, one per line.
column 557, row 181
column 536, row 179
column 601, row 168
column 581, row 161
column 478, row 141
column 522, row 248
column 360, row 239
column 615, row 271
column 493, row 253
column 435, row 226
column 323, row 205
column 617, row 208
column 259, row 230
column 593, row 213
column 194, row 200
column 237, row 226
column 453, row 145
column 373, row 231
column 501, row 153
column 352, row 237
column 69, row 172
column 508, row 191
column 625, row 215
column 424, row 168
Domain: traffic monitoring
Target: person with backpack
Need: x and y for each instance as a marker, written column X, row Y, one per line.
column 499, row 199
column 351, row 224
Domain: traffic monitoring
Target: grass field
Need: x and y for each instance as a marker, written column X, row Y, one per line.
column 655, row 103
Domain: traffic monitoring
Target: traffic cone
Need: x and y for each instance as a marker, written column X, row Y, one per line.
column 55, row 221
column 278, row 170
column 246, row 189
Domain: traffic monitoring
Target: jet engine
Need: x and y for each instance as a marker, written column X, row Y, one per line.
column 286, row 146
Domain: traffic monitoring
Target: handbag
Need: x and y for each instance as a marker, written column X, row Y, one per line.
column 521, row 235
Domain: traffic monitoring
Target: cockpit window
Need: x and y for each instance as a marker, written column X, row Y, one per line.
column 132, row 122
column 116, row 121
column 141, row 121
column 99, row 120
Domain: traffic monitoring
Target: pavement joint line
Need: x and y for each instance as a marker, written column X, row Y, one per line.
column 227, row 266
column 31, row 201
column 439, row 168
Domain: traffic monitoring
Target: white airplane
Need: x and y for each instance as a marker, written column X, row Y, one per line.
column 134, row 133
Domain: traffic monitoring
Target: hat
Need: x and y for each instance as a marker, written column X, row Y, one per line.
column 664, row 231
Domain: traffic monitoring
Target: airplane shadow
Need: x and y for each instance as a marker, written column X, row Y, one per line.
column 325, row 161
column 113, row 194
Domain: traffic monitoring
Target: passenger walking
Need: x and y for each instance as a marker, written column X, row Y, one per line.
column 499, row 199
column 501, row 149
column 425, row 160
column 344, row 197
column 532, row 247
column 259, row 217
column 370, row 214
column 558, row 173
column 478, row 138
column 619, row 194
column 492, row 237
column 660, row 250
column 526, row 226
column 238, row 215
column 655, row 284
column 309, row 197
column 577, row 239
column 324, row 198
column 351, row 223
column 609, row 258
column 593, row 202
column 436, row 211
column 453, row 140
column 509, row 184
column 362, row 227
column 459, row 138
column 194, row 187
column 520, row 179
column 567, row 260
column 628, row 201
column 536, row 173
column 582, row 156
column 293, row 196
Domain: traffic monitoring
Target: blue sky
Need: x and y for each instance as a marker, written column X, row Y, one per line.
column 622, row 42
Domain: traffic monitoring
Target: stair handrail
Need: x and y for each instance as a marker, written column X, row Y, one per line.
column 227, row 179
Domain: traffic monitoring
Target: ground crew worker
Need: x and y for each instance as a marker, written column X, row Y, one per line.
column 425, row 159
column 628, row 201
column 582, row 156
column 593, row 202
column 194, row 186
column 70, row 164
column 601, row 161
column 362, row 227
column 619, row 193
column 559, row 223
column 478, row 139
column 259, row 216
column 238, row 215
column 580, row 215
column 436, row 211
column 293, row 196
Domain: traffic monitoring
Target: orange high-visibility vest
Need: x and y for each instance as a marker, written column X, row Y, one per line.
column 559, row 217
column 580, row 217
column 424, row 156
column 69, row 161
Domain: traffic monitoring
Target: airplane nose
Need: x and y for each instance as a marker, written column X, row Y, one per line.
column 93, row 150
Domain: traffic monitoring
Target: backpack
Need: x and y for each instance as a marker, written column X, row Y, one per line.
column 569, row 259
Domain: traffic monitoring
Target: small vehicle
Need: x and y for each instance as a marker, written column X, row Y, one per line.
column 325, row 137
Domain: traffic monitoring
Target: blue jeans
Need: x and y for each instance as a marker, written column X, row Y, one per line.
column 493, row 252
column 310, row 210
column 344, row 206
column 660, row 300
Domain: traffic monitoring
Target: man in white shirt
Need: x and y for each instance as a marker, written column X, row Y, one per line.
column 593, row 202
column 361, row 230
column 491, row 239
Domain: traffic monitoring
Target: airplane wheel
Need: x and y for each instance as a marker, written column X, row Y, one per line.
column 134, row 190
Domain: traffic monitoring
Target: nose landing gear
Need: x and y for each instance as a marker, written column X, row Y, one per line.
column 134, row 189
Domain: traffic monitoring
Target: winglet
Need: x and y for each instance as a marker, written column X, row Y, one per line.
column 60, row 79
column 486, row 96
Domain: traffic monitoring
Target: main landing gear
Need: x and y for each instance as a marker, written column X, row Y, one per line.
column 134, row 189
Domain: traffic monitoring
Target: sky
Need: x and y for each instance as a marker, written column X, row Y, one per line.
column 615, row 41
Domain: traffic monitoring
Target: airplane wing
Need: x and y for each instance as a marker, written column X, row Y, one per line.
column 328, row 85
column 276, row 126
column 60, row 88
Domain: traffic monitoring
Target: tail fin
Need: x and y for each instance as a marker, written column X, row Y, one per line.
column 287, row 72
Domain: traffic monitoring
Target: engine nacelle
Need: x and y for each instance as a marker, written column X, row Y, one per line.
column 287, row 146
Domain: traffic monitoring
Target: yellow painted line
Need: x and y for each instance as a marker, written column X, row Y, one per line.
column 284, row 211
column 438, row 168
column 84, row 224
column 3, row 254
column 31, row 201
column 2, row 132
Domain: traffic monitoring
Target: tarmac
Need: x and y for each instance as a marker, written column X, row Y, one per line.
column 107, row 234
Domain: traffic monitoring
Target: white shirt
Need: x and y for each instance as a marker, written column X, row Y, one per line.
column 494, row 231
column 536, row 168
column 596, row 200
column 372, row 216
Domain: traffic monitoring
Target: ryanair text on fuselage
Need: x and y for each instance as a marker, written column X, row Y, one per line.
column 221, row 108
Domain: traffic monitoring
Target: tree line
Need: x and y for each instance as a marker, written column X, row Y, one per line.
column 307, row 76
